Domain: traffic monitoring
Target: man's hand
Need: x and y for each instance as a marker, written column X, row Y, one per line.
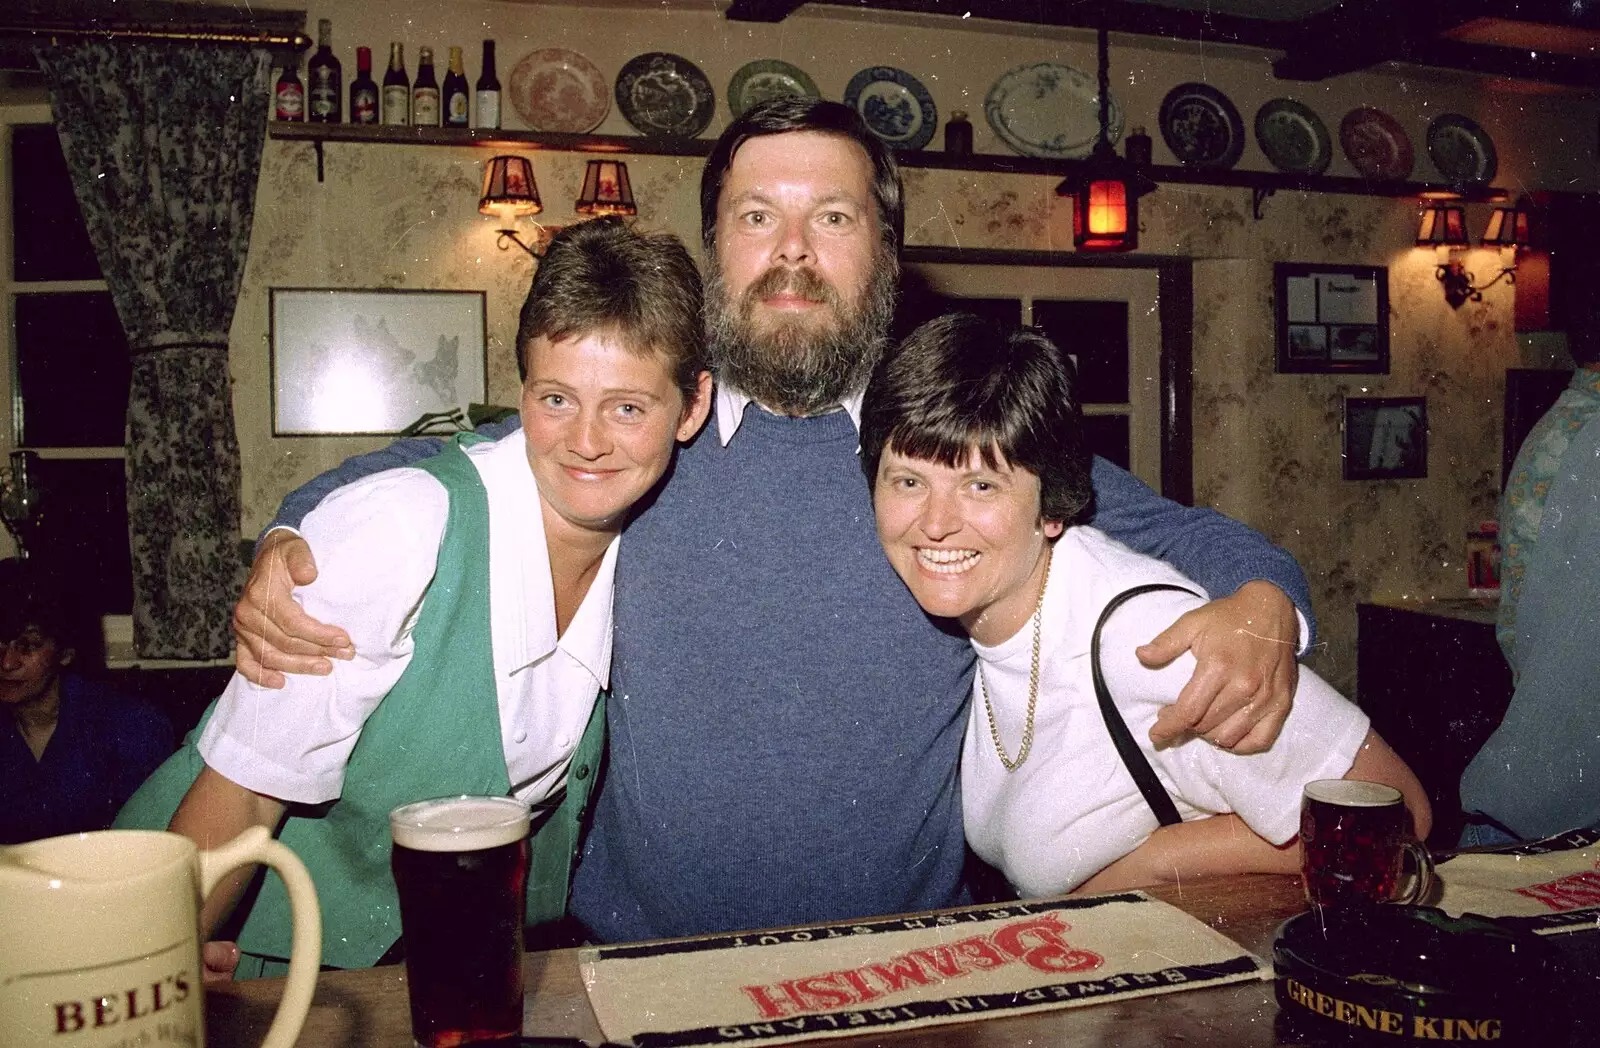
column 275, row 636
column 1242, row 689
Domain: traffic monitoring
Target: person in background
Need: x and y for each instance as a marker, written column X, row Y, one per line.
column 785, row 723
column 479, row 584
column 1539, row 462
column 71, row 749
column 974, row 444
column 1535, row 776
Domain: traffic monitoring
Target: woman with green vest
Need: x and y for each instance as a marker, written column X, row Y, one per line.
column 457, row 685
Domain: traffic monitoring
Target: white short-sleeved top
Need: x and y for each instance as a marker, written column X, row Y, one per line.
column 376, row 543
column 1072, row 808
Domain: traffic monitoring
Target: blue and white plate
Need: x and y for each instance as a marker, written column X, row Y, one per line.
column 1050, row 110
column 895, row 105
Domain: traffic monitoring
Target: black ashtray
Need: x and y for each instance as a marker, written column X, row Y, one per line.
column 1390, row 973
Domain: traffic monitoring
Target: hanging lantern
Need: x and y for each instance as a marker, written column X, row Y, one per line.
column 1106, row 191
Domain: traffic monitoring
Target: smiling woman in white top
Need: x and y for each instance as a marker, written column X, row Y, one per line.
column 974, row 444
column 476, row 589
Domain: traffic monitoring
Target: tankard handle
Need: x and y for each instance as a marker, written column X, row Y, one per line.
column 256, row 845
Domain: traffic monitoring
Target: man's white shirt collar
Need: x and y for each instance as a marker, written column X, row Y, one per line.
column 731, row 404
column 522, row 622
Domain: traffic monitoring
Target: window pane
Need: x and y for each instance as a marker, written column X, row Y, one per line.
column 49, row 239
column 83, row 531
column 72, row 370
column 1095, row 335
column 1108, row 438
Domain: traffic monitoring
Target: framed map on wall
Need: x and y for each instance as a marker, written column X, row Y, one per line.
column 1331, row 318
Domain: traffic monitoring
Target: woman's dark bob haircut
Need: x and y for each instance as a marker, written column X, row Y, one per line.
column 959, row 383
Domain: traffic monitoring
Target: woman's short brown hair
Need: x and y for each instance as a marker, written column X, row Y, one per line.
column 602, row 275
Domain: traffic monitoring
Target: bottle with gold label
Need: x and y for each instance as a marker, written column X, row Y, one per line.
column 457, row 103
column 397, row 88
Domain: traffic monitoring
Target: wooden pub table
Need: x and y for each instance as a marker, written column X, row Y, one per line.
column 369, row 1009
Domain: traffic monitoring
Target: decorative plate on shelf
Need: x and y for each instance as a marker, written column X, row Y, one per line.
column 1050, row 110
column 895, row 105
column 1293, row 138
column 1376, row 145
column 554, row 89
column 1461, row 151
column 767, row 78
column 1201, row 126
column 663, row 94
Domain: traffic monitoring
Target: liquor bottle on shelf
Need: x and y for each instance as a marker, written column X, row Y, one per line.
column 425, row 91
column 325, row 79
column 488, row 90
column 456, row 99
column 289, row 97
column 363, row 91
column 397, row 88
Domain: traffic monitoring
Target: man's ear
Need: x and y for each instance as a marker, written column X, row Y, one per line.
column 697, row 410
column 64, row 656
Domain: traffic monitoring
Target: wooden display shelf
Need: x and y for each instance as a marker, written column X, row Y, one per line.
column 1261, row 183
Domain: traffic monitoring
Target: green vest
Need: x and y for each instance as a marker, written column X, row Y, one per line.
column 436, row 733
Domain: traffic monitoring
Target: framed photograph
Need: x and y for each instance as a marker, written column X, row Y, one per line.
column 1332, row 318
column 1385, row 438
column 373, row 361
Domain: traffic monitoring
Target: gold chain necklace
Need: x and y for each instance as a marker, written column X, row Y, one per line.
column 1033, row 682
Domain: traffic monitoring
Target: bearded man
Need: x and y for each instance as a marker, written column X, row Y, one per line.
column 784, row 721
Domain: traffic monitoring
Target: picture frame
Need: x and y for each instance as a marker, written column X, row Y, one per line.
column 373, row 361
column 1385, row 438
column 1331, row 319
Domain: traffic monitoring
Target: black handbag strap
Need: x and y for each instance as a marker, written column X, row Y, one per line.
column 1133, row 759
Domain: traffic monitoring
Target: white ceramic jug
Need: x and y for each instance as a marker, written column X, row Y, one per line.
column 100, row 943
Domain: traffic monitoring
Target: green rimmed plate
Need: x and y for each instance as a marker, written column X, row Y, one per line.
column 767, row 78
column 1293, row 138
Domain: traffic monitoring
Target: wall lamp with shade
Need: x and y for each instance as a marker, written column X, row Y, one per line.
column 1445, row 225
column 510, row 192
column 606, row 190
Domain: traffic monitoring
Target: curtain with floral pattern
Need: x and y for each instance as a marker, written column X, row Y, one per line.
column 164, row 143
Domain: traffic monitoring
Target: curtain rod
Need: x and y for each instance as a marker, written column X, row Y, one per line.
column 296, row 41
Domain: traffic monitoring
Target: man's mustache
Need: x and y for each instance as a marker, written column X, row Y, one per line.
column 785, row 280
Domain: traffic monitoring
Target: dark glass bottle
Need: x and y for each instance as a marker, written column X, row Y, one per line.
column 958, row 134
column 325, row 79
column 425, row 91
column 363, row 91
column 289, row 96
column 397, row 88
column 488, row 90
column 456, row 102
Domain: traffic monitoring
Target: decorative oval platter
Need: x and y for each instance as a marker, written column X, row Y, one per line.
column 1049, row 110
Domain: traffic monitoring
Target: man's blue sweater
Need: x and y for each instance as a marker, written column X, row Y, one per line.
column 784, row 721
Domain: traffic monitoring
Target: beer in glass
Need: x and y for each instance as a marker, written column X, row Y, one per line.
column 1355, row 838
column 461, row 865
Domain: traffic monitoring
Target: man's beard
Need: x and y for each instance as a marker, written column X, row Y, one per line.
column 790, row 364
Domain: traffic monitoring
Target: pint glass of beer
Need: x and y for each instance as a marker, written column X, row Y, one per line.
column 461, row 864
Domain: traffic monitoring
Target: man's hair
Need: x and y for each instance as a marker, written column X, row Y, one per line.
column 782, row 115
column 959, row 382
column 642, row 288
